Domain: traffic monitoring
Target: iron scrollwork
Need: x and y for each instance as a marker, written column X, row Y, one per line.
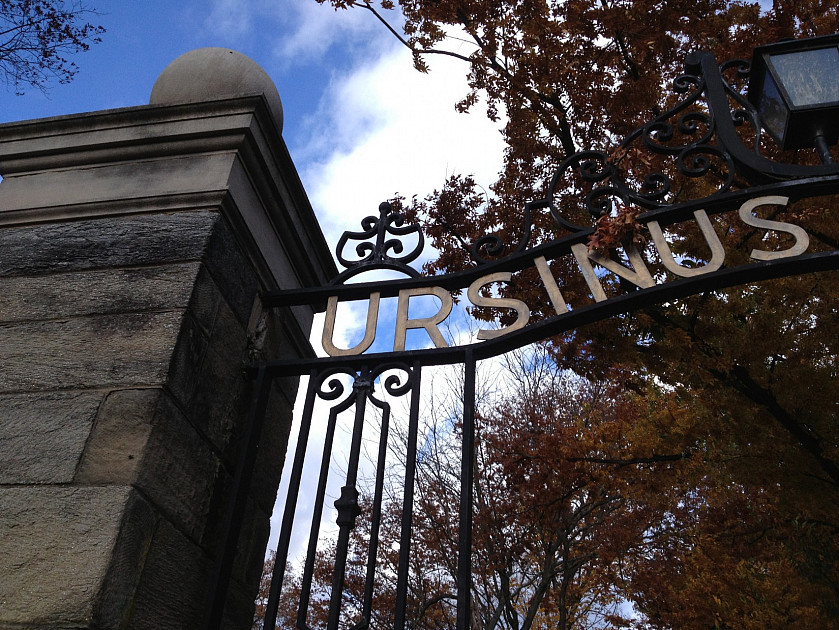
column 686, row 140
column 713, row 132
column 397, row 379
column 683, row 140
column 377, row 254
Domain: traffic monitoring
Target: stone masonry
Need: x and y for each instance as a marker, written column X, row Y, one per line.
column 134, row 244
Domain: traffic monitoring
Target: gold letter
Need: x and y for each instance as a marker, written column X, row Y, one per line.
column 550, row 285
column 369, row 331
column 802, row 240
column 638, row 275
column 429, row 323
column 717, row 252
column 477, row 299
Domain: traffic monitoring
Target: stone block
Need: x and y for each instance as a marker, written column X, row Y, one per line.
column 172, row 589
column 271, row 456
column 118, row 441
column 115, row 602
column 205, row 299
column 231, row 271
column 141, row 437
column 55, row 549
column 186, row 361
column 228, row 337
column 247, row 564
column 207, row 376
column 87, row 352
column 32, row 298
column 42, row 435
column 221, row 381
column 150, row 239
column 250, row 557
column 179, row 469
column 239, row 608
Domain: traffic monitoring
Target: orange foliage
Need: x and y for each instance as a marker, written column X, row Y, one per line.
column 693, row 467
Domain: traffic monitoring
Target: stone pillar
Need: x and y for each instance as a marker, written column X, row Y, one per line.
column 134, row 244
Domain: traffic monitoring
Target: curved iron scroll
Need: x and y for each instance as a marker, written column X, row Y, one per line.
column 397, row 379
column 712, row 132
column 377, row 254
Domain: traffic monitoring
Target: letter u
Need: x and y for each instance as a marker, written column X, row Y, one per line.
column 669, row 262
column 369, row 331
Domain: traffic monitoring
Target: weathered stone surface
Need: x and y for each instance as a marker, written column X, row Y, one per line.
column 272, row 448
column 234, row 277
column 87, row 352
column 282, row 345
column 221, row 381
column 205, row 299
column 251, row 554
column 115, row 603
column 118, row 181
column 207, row 376
column 186, row 360
column 247, row 566
column 173, row 587
column 118, row 440
column 108, row 242
column 55, row 547
column 32, row 298
column 42, row 435
column 178, row 470
column 239, row 606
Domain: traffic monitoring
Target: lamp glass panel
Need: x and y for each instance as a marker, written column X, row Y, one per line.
column 810, row 77
column 772, row 109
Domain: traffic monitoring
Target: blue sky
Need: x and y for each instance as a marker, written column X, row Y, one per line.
column 360, row 123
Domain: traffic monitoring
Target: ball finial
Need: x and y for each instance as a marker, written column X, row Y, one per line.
column 208, row 74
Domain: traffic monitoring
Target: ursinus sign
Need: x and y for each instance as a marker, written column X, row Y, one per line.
column 638, row 274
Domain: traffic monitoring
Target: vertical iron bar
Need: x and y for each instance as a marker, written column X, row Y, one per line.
column 281, row 556
column 467, row 471
column 245, row 462
column 317, row 512
column 376, row 520
column 347, row 504
column 408, row 502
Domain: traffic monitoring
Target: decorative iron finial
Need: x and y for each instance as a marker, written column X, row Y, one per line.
column 376, row 255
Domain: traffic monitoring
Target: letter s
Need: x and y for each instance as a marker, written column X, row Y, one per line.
column 802, row 240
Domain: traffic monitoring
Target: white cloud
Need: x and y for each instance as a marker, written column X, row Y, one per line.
column 233, row 18
column 295, row 32
column 316, row 28
column 386, row 128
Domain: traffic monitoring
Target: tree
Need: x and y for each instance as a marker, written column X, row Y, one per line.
column 738, row 386
column 535, row 530
column 583, row 504
column 36, row 38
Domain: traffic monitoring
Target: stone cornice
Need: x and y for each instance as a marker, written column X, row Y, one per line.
column 226, row 154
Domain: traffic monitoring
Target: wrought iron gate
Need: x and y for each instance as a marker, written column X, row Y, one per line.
column 697, row 134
